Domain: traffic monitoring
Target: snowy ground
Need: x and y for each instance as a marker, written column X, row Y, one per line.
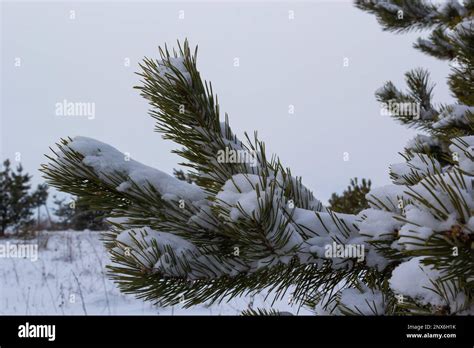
column 69, row 278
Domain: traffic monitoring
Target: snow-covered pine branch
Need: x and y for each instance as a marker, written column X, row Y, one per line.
column 246, row 226
column 238, row 220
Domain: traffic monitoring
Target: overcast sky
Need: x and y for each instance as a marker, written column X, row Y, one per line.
column 49, row 57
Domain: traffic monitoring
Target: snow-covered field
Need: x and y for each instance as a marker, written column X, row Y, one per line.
column 69, row 278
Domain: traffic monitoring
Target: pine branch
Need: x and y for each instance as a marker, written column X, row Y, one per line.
column 241, row 229
column 402, row 15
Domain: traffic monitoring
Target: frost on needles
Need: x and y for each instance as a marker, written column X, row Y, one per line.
column 240, row 228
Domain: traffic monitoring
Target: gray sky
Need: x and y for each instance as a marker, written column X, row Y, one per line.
column 282, row 62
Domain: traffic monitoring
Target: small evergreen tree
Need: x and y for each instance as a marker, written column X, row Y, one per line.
column 39, row 199
column 64, row 211
column 77, row 215
column 16, row 203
